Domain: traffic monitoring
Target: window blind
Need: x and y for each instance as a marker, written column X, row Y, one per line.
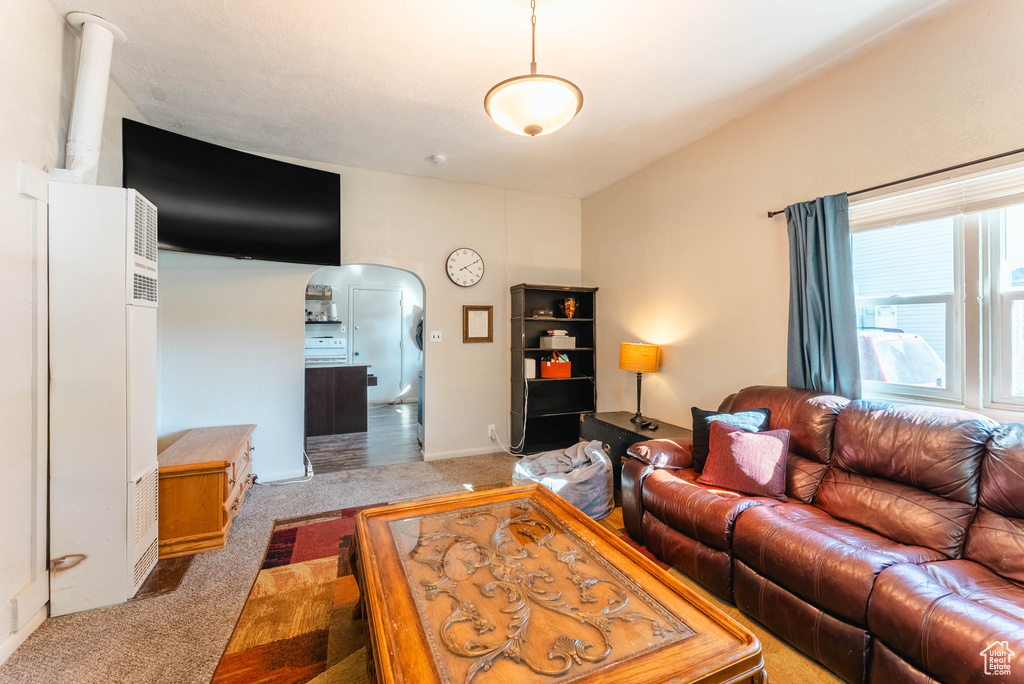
column 965, row 195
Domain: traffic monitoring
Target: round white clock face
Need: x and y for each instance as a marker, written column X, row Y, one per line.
column 465, row 267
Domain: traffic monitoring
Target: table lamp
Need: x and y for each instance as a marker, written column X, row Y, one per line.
column 641, row 358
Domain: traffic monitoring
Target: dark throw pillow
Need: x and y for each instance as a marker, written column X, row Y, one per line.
column 747, row 462
column 754, row 420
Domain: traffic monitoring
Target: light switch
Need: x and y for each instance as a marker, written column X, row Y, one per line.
column 435, row 335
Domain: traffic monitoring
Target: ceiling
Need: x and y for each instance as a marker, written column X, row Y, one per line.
column 385, row 84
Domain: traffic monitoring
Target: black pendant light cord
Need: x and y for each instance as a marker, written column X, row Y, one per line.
column 533, row 47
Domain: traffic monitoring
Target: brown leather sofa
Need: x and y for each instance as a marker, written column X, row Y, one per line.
column 933, row 621
column 690, row 525
column 886, row 571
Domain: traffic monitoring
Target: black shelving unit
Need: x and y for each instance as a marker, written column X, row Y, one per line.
column 548, row 410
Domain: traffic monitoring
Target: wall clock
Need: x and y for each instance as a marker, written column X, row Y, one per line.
column 465, row 267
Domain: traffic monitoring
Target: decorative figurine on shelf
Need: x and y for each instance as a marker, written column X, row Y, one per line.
column 568, row 307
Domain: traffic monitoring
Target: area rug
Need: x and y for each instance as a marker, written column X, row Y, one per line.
column 297, row 624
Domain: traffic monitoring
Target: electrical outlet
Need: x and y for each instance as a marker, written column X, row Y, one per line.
column 491, row 432
column 435, row 335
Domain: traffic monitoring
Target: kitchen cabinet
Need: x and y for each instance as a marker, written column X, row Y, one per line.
column 335, row 400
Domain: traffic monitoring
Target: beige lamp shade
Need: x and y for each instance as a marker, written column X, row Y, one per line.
column 638, row 357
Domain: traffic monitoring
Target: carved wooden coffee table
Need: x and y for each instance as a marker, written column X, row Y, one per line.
column 516, row 585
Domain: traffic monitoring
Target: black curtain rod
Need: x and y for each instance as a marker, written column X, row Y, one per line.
column 773, row 214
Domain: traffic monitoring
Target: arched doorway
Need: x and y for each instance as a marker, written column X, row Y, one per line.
column 364, row 367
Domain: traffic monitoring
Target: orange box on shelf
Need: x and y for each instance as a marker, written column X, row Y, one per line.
column 555, row 369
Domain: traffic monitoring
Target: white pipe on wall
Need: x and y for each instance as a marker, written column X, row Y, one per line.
column 86, row 129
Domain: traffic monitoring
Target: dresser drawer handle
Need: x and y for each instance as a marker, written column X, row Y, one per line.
column 234, row 506
column 231, row 481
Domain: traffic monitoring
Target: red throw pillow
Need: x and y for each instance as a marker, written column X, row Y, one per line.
column 748, row 462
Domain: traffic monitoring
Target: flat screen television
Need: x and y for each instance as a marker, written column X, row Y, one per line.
column 215, row 200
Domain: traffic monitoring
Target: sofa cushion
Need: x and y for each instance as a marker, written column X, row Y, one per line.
column 753, row 420
column 996, row 537
column 703, row 513
column 997, row 542
column 940, row 617
column 748, row 462
column 1002, row 472
column 908, row 472
column 828, row 562
column 663, row 453
column 904, row 514
column 810, row 417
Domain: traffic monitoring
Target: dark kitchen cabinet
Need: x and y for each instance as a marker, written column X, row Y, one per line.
column 335, row 400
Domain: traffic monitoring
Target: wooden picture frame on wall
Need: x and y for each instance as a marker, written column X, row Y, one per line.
column 477, row 323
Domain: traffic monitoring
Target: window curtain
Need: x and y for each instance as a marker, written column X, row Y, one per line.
column 822, row 351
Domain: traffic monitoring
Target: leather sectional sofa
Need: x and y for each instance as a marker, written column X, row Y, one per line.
column 898, row 557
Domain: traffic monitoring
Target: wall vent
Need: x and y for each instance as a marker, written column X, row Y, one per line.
column 145, row 228
column 146, row 503
column 144, row 288
column 145, row 563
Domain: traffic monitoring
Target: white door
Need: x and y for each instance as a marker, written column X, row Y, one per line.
column 377, row 339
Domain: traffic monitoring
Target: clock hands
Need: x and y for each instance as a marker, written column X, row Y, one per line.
column 468, row 265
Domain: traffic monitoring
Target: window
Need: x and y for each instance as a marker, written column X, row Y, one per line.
column 1006, row 318
column 906, row 281
column 939, row 287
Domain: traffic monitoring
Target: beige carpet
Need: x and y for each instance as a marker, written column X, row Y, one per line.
column 179, row 637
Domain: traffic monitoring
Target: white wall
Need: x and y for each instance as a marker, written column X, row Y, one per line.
column 414, row 223
column 683, row 251
column 230, row 352
column 31, row 44
column 342, row 279
column 402, row 221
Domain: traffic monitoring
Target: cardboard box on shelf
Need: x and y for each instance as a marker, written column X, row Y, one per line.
column 557, row 342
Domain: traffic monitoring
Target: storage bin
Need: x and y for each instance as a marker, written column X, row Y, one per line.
column 557, row 342
column 555, row 369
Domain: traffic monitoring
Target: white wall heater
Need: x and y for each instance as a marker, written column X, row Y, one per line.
column 103, row 465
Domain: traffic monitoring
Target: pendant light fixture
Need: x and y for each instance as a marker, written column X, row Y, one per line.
column 533, row 104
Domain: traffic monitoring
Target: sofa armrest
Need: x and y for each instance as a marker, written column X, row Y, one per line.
column 634, row 472
column 663, row 453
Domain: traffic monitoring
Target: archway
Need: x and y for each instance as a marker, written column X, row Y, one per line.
column 364, row 367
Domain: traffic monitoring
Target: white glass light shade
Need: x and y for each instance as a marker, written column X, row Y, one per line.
column 533, row 105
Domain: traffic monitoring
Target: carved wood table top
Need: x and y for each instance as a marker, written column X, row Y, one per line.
column 516, row 585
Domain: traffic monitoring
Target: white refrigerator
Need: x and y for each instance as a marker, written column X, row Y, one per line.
column 103, row 387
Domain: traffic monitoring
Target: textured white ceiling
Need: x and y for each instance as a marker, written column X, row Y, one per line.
column 384, row 84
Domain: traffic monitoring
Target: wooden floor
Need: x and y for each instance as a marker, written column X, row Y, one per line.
column 390, row 438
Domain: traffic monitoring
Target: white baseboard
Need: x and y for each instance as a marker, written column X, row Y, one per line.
column 458, row 454
column 281, row 475
column 16, row 639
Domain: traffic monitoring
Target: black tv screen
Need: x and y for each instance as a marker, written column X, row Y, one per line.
column 214, row 200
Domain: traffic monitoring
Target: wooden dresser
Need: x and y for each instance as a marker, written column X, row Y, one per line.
column 204, row 476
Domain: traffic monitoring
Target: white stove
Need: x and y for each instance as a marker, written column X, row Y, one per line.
column 327, row 351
